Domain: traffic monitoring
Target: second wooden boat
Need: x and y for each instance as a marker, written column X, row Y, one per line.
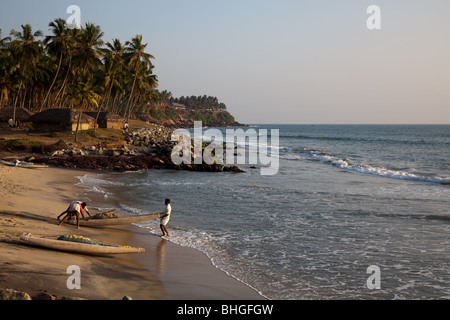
column 21, row 164
column 78, row 247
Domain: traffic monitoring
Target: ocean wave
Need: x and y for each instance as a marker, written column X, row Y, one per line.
column 350, row 165
column 93, row 184
column 91, row 180
column 405, row 141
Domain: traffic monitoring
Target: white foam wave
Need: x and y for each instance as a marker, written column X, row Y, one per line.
column 93, row 184
column 347, row 164
column 97, row 180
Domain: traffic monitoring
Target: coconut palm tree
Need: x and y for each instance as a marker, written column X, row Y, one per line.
column 84, row 93
column 5, row 68
column 136, row 55
column 88, row 43
column 73, row 35
column 111, row 68
column 50, row 72
column 4, row 41
column 58, row 45
column 27, row 50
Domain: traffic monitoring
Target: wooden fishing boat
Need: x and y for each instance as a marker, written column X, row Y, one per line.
column 78, row 247
column 21, row 164
column 114, row 221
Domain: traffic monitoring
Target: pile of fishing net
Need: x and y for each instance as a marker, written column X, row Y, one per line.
column 107, row 215
column 81, row 239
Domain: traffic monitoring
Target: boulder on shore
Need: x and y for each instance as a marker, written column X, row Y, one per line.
column 10, row 294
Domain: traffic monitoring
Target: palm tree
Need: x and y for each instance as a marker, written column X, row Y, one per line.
column 4, row 41
column 5, row 68
column 73, row 35
column 136, row 55
column 57, row 44
column 83, row 93
column 88, row 43
column 52, row 71
column 27, row 50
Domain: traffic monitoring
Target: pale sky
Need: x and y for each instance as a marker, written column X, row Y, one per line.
column 283, row 61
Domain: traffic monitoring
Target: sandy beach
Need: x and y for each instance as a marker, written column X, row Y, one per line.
column 30, row 202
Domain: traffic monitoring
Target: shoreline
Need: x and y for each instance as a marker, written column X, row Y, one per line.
column 166, row 271
column 188, row 274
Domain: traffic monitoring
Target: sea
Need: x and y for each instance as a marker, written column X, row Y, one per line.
column 354, row 212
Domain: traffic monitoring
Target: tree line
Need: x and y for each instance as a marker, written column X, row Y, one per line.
column 75, row 68
column 199, row 103
column 196, row 103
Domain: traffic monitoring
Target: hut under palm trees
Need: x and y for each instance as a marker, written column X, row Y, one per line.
column 53, row 120
column 107, row 120
column 20, row 114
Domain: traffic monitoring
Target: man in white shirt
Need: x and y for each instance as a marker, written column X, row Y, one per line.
column 165, row 217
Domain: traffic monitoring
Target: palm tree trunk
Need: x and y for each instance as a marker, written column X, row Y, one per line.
column 98, row 113
column 53, row 83
column 132, row 87
column 1, row 98
column 107, row 95
column 64, row 84
column 15, row 102
column 24, row 98
column 132, row 107
column 79, row 121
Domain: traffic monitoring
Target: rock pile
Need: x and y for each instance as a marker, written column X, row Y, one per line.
column 93, row 150
column 157, row 138
column 12, row 295
column 9, row 294
column 147, row 148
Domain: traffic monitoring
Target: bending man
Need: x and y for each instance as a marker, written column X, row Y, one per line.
column 76, row 208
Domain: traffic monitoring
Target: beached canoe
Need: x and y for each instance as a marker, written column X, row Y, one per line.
column 77, row 247
column 22, row 164
column 114, row 221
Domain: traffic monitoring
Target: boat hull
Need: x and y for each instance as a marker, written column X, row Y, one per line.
column 77, row 247
column 115, row 221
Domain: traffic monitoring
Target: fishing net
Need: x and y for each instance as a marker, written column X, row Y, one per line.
column 107, row 215
column 81, row 239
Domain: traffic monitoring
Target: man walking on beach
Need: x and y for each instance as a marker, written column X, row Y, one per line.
column 165, row 217
column 76, row 208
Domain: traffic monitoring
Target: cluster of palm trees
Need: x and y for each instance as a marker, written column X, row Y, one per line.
column 75, row 68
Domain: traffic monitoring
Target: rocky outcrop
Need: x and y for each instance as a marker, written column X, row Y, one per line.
column 148, row 148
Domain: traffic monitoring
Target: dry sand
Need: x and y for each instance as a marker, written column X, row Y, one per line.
column 30, row 201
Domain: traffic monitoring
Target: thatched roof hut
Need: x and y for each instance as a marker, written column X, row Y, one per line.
column 7, row 113
column 107, row 120
column 61, row 120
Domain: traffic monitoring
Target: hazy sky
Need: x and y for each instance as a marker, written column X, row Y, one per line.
column 283, row 61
